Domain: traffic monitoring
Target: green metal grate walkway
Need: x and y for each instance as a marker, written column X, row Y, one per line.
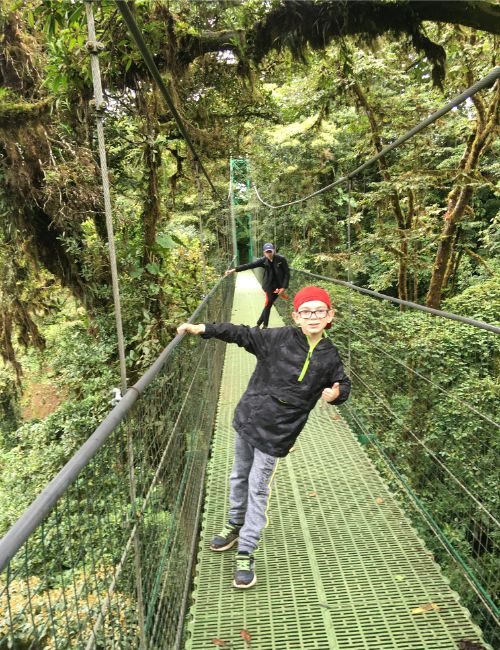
column 340, row 566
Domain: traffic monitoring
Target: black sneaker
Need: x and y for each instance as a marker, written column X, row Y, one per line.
column 226, row 538
column 244, row 576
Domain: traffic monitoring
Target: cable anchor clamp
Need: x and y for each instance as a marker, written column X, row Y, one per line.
column 117, row 396
column 94, row 47
column 99, row 107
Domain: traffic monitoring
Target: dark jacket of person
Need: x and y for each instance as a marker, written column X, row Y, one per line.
column 275, row 406
column 278, row 279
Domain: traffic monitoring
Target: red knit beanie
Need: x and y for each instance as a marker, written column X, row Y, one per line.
column 311, row 293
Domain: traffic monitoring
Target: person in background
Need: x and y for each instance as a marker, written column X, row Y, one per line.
column 275, row 281
column 295, row 367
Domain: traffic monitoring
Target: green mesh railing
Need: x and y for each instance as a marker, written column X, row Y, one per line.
column 425, row 402
column 99, row 571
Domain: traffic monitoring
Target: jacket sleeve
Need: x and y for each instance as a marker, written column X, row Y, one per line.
column 286, row 278
column 344, row 383
column 253, row 339
column 250, row 265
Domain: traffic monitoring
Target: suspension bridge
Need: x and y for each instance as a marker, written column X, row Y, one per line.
column 114, row 551
column 110, row 554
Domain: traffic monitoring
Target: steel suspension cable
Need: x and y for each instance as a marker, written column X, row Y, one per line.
column 349, row 270
column 33, row 516
column 426, row 379
column 100, row 104
column 397, row 418
column 485, row 82
column 406, row 303
column 200, row 223
column 155, row 73
column 93, row 47
column 433, row 525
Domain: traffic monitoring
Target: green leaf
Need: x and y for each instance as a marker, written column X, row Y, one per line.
column 153, row 268
column 165, row 241
column 177, row 239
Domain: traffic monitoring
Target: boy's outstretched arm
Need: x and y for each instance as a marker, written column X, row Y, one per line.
column 191, row 328
column 252, row 339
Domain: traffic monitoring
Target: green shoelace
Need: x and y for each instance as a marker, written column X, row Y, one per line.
column 243, row 563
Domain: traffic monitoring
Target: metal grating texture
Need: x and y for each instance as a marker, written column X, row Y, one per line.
column 339, row 566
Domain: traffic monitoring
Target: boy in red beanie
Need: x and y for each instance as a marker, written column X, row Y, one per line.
column 295, row 367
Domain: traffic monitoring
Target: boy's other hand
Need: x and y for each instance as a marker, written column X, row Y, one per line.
column 191, row 328
column 331, row 394
column 229, row 271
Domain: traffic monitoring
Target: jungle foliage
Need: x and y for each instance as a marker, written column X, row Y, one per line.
column 250, row 79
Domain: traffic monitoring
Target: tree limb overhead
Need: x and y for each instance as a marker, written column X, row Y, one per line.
column 297, row 25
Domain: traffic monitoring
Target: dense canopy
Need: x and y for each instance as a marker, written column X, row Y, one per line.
column 304, row 92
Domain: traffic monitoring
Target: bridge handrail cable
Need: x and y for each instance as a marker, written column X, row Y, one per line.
column 433, row 525
column 485, row 82
column 405, row 303
column 387, row 407
column 424, row 378
column 18, row 534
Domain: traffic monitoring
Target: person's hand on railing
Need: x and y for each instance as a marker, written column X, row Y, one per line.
column 191, row 328
column 229, row 271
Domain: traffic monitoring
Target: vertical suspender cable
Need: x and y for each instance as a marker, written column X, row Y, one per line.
column 93, row 46
column 100, row 105
column 258, row 236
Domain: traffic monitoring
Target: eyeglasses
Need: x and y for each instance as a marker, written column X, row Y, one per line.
column 320, row 313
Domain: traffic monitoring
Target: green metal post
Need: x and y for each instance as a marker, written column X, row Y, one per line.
column 231, row 208
column 239, row 193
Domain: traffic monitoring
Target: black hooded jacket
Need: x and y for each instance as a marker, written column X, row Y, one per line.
column 276, row 273
column 275, row 406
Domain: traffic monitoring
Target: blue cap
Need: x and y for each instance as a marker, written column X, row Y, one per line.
column 268, row 247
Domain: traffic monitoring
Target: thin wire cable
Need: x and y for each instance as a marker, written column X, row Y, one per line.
column 429, row 381
column 349, row 271
column 202, row 238
column 413, row 305
column 100, row 104
column 469, row 576
column 135, row 32
column 383, row 402
column 485, row 82
column 231, row 208
column 92, row 46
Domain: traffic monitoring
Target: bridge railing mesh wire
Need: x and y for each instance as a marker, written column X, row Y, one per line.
column 425, row 403
column 73, row 583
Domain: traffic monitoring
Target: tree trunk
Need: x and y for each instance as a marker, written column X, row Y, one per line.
column 401, row 220
column 152, row 208
column 459, row 198
column 152, row 156
column 298, row 26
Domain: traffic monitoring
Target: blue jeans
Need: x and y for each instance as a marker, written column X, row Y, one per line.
column 249, row 489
